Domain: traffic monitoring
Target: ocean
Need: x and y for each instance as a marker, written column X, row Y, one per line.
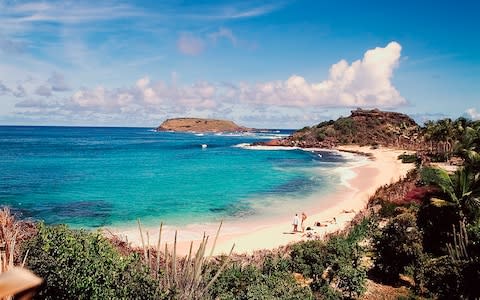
column 94, row 177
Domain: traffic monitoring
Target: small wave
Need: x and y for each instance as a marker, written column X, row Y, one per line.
column 258, row 135
column 260, row 147
column 271, row 136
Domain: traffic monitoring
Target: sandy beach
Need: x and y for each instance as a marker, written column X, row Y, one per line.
column 383, row 168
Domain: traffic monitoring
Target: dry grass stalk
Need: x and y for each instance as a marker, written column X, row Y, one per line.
column 458, row 251
column 185, row 277
column 157, row 267
column 13, row 279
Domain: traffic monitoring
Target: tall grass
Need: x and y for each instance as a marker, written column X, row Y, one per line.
column 184, row 277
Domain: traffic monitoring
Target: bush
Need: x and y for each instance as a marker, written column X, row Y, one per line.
column 310, row 259
column 441, row 277
column 436, row 224
column 399, row 247
column 273, row 281
column 304, row 129
column 351, row 280
column 76, row 264
column 325, row 123
column 320, row 136
column 334, row 263
column 387, row 209
column 408, row 158
column 346, row 126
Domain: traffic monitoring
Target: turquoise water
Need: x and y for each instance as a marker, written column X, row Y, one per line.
column 92, row 177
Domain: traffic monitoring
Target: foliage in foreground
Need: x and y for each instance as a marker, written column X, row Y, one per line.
column 272, row 281
column 335, row 265
column 400, row 242
column 437, row 244
column 76, row 264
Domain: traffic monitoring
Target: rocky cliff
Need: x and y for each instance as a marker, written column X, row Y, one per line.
column 200, row 125
column 362, row 127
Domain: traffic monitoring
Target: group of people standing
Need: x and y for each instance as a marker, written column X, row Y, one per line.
column 296, row 222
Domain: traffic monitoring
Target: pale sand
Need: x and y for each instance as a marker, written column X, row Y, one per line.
column 383, row 169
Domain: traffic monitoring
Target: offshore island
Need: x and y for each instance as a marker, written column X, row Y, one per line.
column 200, row 125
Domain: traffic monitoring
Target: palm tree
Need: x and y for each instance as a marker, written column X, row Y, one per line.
column 468, row 147
column 442, row 132
column 461, row 190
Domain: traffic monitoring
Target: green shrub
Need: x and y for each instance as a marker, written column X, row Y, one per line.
column 310, row 259
column 325, row 123
column 441, row 277
column 346, row 126
column 399, row 247
column 76, row 264
column 336, row 262
column 436, row 224
column 304, row 129
column 326, row 292
column 408, row 158
column 387, row 209
column 273, row 281
column 351, row 281
column 329, row 131
column 320, row 136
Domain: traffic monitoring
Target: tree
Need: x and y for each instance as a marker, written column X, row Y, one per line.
column 399, row 247
column 468, row 146
column 461, row 190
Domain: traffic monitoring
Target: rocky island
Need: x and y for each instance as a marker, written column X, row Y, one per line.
column 362, row 127
column 200, row 125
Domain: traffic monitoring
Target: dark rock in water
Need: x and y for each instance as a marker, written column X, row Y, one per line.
column 217, row 209
column 65, row 212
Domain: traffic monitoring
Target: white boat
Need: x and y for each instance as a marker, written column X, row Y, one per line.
column 204, row 146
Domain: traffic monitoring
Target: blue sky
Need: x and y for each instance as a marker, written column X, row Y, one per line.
column 282, row 64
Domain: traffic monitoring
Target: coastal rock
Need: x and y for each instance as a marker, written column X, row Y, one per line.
column 200, row 125
column 362, row 127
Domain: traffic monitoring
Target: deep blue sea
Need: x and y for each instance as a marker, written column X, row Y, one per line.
column 91, row 177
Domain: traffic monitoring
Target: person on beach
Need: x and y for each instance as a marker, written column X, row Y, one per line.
column 304, row 217
column 296, row 220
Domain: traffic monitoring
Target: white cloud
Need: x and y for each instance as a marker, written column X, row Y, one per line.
column 57, row 83
column 68, row 12
column 473, row 113
column 43, row 90
column 363, row 83
column 189, row 44
column 19, row 92
column 4, row 89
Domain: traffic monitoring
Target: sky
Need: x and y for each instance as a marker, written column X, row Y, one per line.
column 264, row 64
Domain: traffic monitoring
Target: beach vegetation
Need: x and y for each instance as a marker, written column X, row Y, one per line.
column 304, row 129
column 345, row 126
column 272, row 280
column 325, row 123
column 460, row 190
column 76, row 264
column 399, row 247
column 188, row 278
column 408, row 158
column 321, row 136
column 335, row 264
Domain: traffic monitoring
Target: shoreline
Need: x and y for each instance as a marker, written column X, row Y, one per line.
column 382, row 167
